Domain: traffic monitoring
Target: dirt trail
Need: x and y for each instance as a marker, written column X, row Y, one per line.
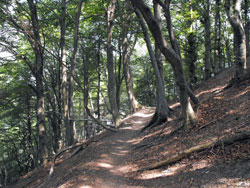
column 112, row 159
column 104, row 163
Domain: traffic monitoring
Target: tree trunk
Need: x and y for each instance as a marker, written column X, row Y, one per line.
column 216, row 53
column 98, row 56
column 247, row 24
column 110, row 64
column 38, row 70
column 174, row 43
column 29, row 129
column 161, row 114
column 64, row 66
column 70, row 129
column 207, row 40
column 128, row 76
column 127, row 52
column 228, row 50
column 239, row 37
column 171, row 56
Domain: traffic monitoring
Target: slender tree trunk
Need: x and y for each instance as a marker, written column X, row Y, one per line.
column 228, row 49
column 220, row 56
column 64, row 66
column 118, row 79
column 128, row 75
column 127, row 52
column 247, row 25
column 216, row 53
column 29, row 128
column 207, row 40
column 161, row 114
column 40, row 112
column 157, row 15
column 99, row 79
column 239, row 37
column 110, row 63
column 70, row 130
column 190, row 50
column 171, row 56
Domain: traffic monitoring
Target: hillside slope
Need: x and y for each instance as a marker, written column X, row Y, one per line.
column 113, row 160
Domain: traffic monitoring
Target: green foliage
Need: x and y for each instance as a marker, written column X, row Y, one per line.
column 17, row 98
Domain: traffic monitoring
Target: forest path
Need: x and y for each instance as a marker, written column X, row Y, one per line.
column 104, row 163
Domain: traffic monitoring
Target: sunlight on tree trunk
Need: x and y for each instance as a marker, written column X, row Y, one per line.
column 239, row 37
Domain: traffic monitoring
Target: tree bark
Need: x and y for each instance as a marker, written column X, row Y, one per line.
column 63, row 65
column 239, row 37
column 161, row 114
column 207, row 40
column 173, row 41
column 110, row 64
column 38, row 70
column 127, row 52
column 247, row 25
column 171, row 56
column 98, row 56
column 128, row 76
column 70, row 129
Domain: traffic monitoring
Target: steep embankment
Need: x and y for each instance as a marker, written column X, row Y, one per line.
column 112, row 160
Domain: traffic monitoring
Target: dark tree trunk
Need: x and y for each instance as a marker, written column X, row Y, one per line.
column 173, row 41
column 110, row 64
column 64, row 66
column 38, row 70
column 228, row 51
column 171, row 56
column 161, row 114
column 191, row 57
column 247, row 25
column 29, row 129
column 207, row 40
column 215, row 65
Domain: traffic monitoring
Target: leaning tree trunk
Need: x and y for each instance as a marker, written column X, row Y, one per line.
column 239, row 37
column 174, row 43
column 110, row 64
column 161, row 114
column 171, row 56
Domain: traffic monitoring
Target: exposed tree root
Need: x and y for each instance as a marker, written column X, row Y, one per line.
column 237, row 82
column 224, row 141
column 155, row 121
column 154, row 143
column 79, row 147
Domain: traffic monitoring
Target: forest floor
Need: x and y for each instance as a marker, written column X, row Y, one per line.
column 114, row 159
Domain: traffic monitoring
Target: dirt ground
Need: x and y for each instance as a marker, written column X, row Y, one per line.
column 114, row 159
